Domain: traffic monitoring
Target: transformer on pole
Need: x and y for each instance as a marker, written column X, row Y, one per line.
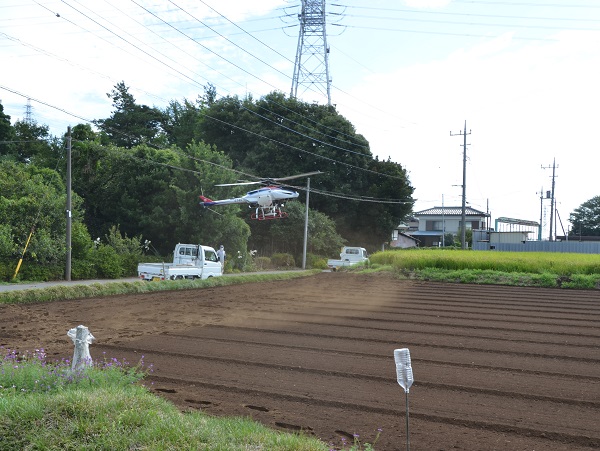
column 311, row 69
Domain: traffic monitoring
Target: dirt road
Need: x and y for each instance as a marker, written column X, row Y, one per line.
column 495, row 368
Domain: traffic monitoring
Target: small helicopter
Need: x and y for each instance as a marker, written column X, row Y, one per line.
column 267, row 200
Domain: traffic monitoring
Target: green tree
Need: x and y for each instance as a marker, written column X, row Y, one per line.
column 7, row 135
column 34, row 144
column 181, row 119
column 180, row 122
column 154, row 193
column 33, row 198
column 449, row 239
column 83, row 132
column 287, row 136
column 287, row 235
column 131, row 124
column 586, row 218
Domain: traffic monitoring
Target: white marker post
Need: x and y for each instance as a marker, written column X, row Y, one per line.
column 82, row 339
column 405, row 379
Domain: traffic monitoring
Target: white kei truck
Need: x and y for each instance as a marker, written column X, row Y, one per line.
column 190, row 261
column 350, row 255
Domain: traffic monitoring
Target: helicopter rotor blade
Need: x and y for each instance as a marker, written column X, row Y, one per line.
column 238, row 183
column 272, row 181
column 291, row 177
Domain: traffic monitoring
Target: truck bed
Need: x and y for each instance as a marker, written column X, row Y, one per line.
column 152, row 271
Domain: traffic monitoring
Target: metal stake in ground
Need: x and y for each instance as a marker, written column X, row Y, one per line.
column 405, row 379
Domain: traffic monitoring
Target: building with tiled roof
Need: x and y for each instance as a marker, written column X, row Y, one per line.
column 436, row 222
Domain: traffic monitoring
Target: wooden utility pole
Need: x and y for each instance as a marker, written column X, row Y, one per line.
column 464, row 186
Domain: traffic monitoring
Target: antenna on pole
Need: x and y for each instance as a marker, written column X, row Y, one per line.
column 311, row 68
column 464, row 186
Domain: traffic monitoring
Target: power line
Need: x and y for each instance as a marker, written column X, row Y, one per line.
column 249, row 110
column 245, row 32
column 448, row 13
column 228, row 40
column 231, row 42
column 447, row 22
column 442, row 33
column 222, row 122
column 306, row 136
column 553, row 5
column 174, row 61
column 302, row 150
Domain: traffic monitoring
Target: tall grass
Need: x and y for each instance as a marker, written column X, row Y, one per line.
column 541, row 269
column 562, row 264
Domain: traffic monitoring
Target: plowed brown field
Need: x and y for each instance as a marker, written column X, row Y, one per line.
column 495, row 368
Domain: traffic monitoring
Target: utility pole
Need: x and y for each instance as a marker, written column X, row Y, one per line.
column 464, row 185
column 550, row 238
column 443, row 224
column 306, row 224
column 68, row 263
column 541, row 213
column 311, row 69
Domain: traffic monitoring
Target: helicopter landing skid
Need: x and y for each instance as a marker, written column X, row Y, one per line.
column 265, row 214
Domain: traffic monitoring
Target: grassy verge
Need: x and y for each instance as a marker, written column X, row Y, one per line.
column 61, row 292
column 48, row 406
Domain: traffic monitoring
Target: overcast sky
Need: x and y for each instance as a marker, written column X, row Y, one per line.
column 523, row 74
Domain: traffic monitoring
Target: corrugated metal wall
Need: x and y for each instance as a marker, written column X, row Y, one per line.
column 577, row 247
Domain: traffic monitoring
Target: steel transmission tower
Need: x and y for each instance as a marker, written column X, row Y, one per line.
column 28, row 112
column 311, row 70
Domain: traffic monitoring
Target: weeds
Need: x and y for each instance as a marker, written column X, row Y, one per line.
column 29, row 372
column 356, row 444
column 45, row 405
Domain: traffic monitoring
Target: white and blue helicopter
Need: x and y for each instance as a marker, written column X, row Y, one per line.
column 267, row 201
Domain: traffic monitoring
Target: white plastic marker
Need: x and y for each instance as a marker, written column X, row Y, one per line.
column 405, row 379
column 82, row 338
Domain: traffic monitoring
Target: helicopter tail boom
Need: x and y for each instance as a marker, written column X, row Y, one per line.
column 206, row 202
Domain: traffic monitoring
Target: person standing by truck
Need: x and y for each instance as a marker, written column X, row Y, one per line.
column 221, row 256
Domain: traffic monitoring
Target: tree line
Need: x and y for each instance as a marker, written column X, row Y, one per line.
column 137, row 175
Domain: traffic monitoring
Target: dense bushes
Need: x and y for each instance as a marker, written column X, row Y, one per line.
column 283, row 260
column 117, row 257
column 315, row 261
column 262, row 263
